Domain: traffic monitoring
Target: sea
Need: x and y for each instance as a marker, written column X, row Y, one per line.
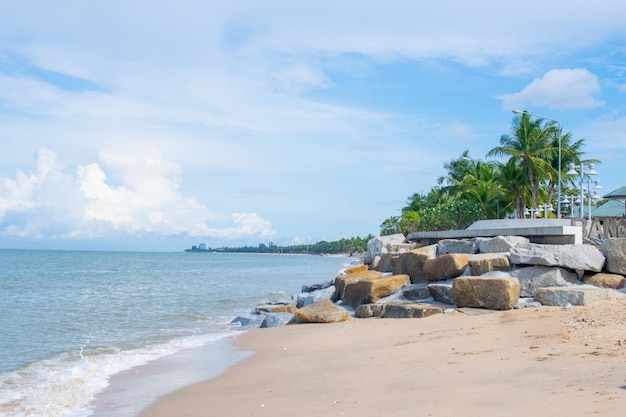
column 88, row 333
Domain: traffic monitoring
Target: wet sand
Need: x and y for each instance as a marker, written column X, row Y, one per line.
column 545, row 361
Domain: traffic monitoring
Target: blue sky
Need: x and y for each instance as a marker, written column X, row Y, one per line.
column 158, row 125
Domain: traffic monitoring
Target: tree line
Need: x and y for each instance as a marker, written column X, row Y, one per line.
column 346, row 246
column 518, row 176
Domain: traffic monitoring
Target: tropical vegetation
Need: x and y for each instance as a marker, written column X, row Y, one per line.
column 518, row 178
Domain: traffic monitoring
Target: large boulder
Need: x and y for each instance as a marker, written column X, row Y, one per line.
column 381, row 245
column 446, row 266
column 614, row 281
column 615, row 251
column 576, row 296
column 412, row 263
column 416, row 292
column 321, row 312
column 384, row 262
column 370, row 291
column 486, row 262
column 343, row 280
column 446, row 246
column 441, row 291
column 307, row 298
column 501, row 243
column 576, row 257
column 355, row 269
column 490, row 293
column 533, row 277
column 276, row 320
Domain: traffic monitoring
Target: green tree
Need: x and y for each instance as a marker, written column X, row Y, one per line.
column 390, row 226
column 409, row 222
column 529, row 145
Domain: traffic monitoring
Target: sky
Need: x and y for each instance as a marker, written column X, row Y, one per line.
column 158, row 125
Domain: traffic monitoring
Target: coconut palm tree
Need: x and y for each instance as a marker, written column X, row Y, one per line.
column 529, row 146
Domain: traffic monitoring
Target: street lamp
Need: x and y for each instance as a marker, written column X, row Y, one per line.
column 558, row 205
column 588, row 170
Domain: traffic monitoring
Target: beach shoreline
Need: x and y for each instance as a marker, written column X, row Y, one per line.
column 544, row 361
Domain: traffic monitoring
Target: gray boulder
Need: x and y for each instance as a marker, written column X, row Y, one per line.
column 442, row 291
column 615, row 251
column 501, row 243
column 446, row 246
column 576, row 296
column 276, row 320
column 305, row 299
column 381, row 245
column 576, row 257
column 533, row 277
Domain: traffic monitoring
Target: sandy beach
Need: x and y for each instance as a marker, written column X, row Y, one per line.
column 546, row 361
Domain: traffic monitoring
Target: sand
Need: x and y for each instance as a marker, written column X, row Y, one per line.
column 545, row 361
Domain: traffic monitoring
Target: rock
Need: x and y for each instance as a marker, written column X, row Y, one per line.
column 501, row 243
column 398, row 310
column 486, row 262
column 342, row 280
column 490, row 293
column 305, row 299
column 613, row 281
column 320, row 286
column 578, row 296
column 276, row 320
column 381, row 244
column 321, row 312
column 412, row 263
column 534, row 277
column 354, row 269
column 416, row 292
column 442, row 291
column 247, row 321
column 446, row 246
column 615, row 251
column 385, row 262
column 576, row 257
column 446, row 266
column 369, row 291
column 275, row 308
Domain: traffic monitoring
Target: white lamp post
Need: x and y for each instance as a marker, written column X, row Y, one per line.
column 588, row 170
column 558, row 204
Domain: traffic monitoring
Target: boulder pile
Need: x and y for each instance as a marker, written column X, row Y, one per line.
column 401, row 280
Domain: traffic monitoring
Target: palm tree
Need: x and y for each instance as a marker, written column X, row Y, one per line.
column 514, row 186
column 529, row 145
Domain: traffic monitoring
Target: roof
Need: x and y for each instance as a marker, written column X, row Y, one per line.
column 619, row 193
column 611, row 208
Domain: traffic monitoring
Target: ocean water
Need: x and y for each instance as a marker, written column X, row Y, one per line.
column 105, row 333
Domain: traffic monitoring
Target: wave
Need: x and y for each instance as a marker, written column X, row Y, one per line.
column 65, row 385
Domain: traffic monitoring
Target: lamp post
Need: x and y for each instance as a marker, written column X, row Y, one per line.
column 588, row 170
column 558, row 204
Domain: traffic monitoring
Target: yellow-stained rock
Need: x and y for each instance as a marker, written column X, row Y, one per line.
column 614, row 281
column 321, row 312
column 276, row 308
column 446, row 266
column 369, row 291
column 355, row 269
column 342, row 280
column 412, row 263
column 490, row 293
column 487, row 262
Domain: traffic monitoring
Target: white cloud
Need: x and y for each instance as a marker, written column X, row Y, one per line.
column 145, row 201
column 300, row 77
column 558, row 89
